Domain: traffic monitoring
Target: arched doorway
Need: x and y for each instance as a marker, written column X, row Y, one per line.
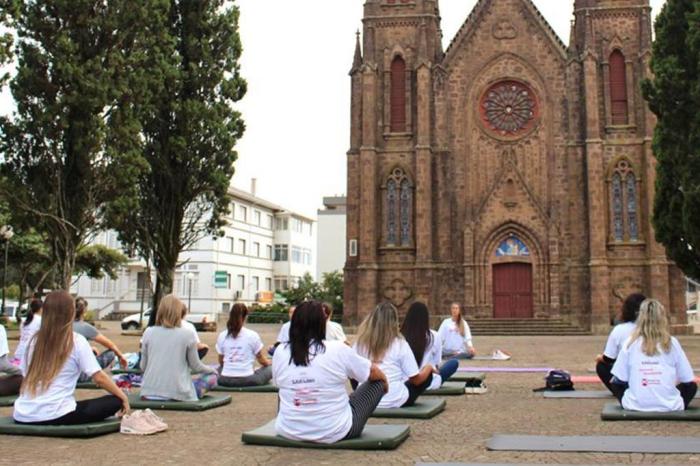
column 512, row 281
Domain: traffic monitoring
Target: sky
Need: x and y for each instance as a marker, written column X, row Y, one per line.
column 296, row 59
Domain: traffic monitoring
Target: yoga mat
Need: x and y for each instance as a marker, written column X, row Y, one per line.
column 447, row 389
column 254, row 389
column 8, row 426
column 585, row 379
column 374, row 437
column 585, row 394
column 87, row 386
column 614, row 412
column 8, row 400
column 608, row 444
column 488, row 358
column 505, row 369
column 423, row 409
column 467, row 376
column 207, row 402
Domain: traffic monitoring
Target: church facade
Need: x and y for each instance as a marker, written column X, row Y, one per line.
column 509, row 172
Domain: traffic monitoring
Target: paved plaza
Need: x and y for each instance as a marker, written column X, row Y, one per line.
column 459, row 434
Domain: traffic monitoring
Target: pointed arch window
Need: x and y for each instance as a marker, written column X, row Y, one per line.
column 624, row 203
column 398, row 95
column 618, row 88
column 399, row 209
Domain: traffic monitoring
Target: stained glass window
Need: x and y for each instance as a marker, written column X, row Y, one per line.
column 618, row 225
column 632, row 207
column 391, row 196
column 399, row 209
column 405, row 213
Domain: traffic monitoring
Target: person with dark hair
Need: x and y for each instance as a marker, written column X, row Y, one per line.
column 426, row 345
column 379, row 340
column 334, row 331
column 29, row 328
column 11, row 379
column 91, row 334
column 283, row 335
column 618, row 336
column 238, row 348
column 311, row 373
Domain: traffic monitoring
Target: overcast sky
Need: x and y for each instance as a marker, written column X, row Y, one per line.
column 296, row 59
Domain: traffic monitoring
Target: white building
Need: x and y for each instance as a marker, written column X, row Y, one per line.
column 264, row 249
column 331, row 235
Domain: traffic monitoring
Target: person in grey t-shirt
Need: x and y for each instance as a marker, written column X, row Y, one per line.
column 91, row 334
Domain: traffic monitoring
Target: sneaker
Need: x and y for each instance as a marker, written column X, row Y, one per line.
column 136, row 424
column 499, row 355
column 155, row 420
column 478, row 390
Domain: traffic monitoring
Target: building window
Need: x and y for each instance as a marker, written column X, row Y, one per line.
column 229, row 243
column 624, row 203
column 618, row 88
column 242, row 213
column 296, row 255
column 256, row 249
column 258, row 217
column 268, row 250
column 241, row 247
column 281, row 284
column 268, row 222
column 297, row 225
column 240, row 282
column 399, row 209
column 307, row 256
column 281, row 253
column 268, row 284
column 281, row 224
column 398, row 95
column 256, row 283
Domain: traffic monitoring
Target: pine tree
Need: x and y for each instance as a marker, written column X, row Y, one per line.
column 189, row 130
column 674, row 96
column 73, row 144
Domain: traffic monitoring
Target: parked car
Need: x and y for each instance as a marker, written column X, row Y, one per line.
column 202, row 322
column 11, row 309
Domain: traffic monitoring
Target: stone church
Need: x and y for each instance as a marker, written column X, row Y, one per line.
column 510, row 172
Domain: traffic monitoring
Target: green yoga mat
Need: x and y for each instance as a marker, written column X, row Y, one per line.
column 374, row 437
column 208, row 402
column 7, row 400
column 254, row 389
column 614, row 412
column 9, row 427
column 423, row 409
column 87, row 386
column 599, row 444
column 447, row 389
column 126, row 371
column 466, row 376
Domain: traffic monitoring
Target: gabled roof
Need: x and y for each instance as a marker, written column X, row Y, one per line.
column 472, row 21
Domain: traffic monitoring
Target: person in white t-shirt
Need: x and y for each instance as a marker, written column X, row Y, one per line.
column 652, row 373
column 51, row 365
column 312, row 372
column 238, row 349
column 425, row 344
column 202, row 348
column 283, row 335
column 10, row 375
column 28, row 328
column 379, row 340
column 455, row 335
column 334, row 331
column 618, row 336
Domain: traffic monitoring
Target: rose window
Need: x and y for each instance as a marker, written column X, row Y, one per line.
column 509, row 108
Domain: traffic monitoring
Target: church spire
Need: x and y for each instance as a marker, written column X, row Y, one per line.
column 357, row 59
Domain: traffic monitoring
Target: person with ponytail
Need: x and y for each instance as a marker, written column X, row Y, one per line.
column 618, row 337
column 426, row 345
column 455, row 335
column 652, row 372
column 312, row 372
column 379, row 340
column 29, row 327
column 54, row 359
column 238, row 348
column 169, row 358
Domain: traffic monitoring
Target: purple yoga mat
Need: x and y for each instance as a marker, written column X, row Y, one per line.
column 505, row 369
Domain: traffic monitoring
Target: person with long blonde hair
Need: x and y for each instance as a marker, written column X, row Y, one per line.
column 52, row 363
column 379, row 340
column 652, row 372
column 169, row 358
column 456, row 336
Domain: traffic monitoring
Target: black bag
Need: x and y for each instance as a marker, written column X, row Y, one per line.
column 557, row 381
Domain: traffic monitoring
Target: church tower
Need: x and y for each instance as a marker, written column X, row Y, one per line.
column 610, row 50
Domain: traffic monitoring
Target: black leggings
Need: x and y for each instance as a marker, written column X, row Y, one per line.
column 86, row 411
column 604, row 371
column 10, row 385
column 414, row 391
column 363, row 402
column 688, row 391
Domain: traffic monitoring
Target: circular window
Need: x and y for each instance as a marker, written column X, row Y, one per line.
column 509, row 109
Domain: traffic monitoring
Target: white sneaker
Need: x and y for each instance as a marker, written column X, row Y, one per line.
column 480, row 390
column 499, row 355
column 153, row 419
column 136, row 424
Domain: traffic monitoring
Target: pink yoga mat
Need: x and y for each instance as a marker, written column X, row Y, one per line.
column 595, row 379
column 505, row 369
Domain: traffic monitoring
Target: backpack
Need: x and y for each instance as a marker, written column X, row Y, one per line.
column 558, row 381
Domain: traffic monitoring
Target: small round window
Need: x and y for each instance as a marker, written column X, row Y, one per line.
column 509, row 109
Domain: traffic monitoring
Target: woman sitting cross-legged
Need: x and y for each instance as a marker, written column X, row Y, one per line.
column 169, row 358
column 618, row 337
column 312, row 374
column 425, row 344
column 53, row 360
column 379, row 340
column 652, row 373
column 456, row 336
column 238, row 348
column 10, row 375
